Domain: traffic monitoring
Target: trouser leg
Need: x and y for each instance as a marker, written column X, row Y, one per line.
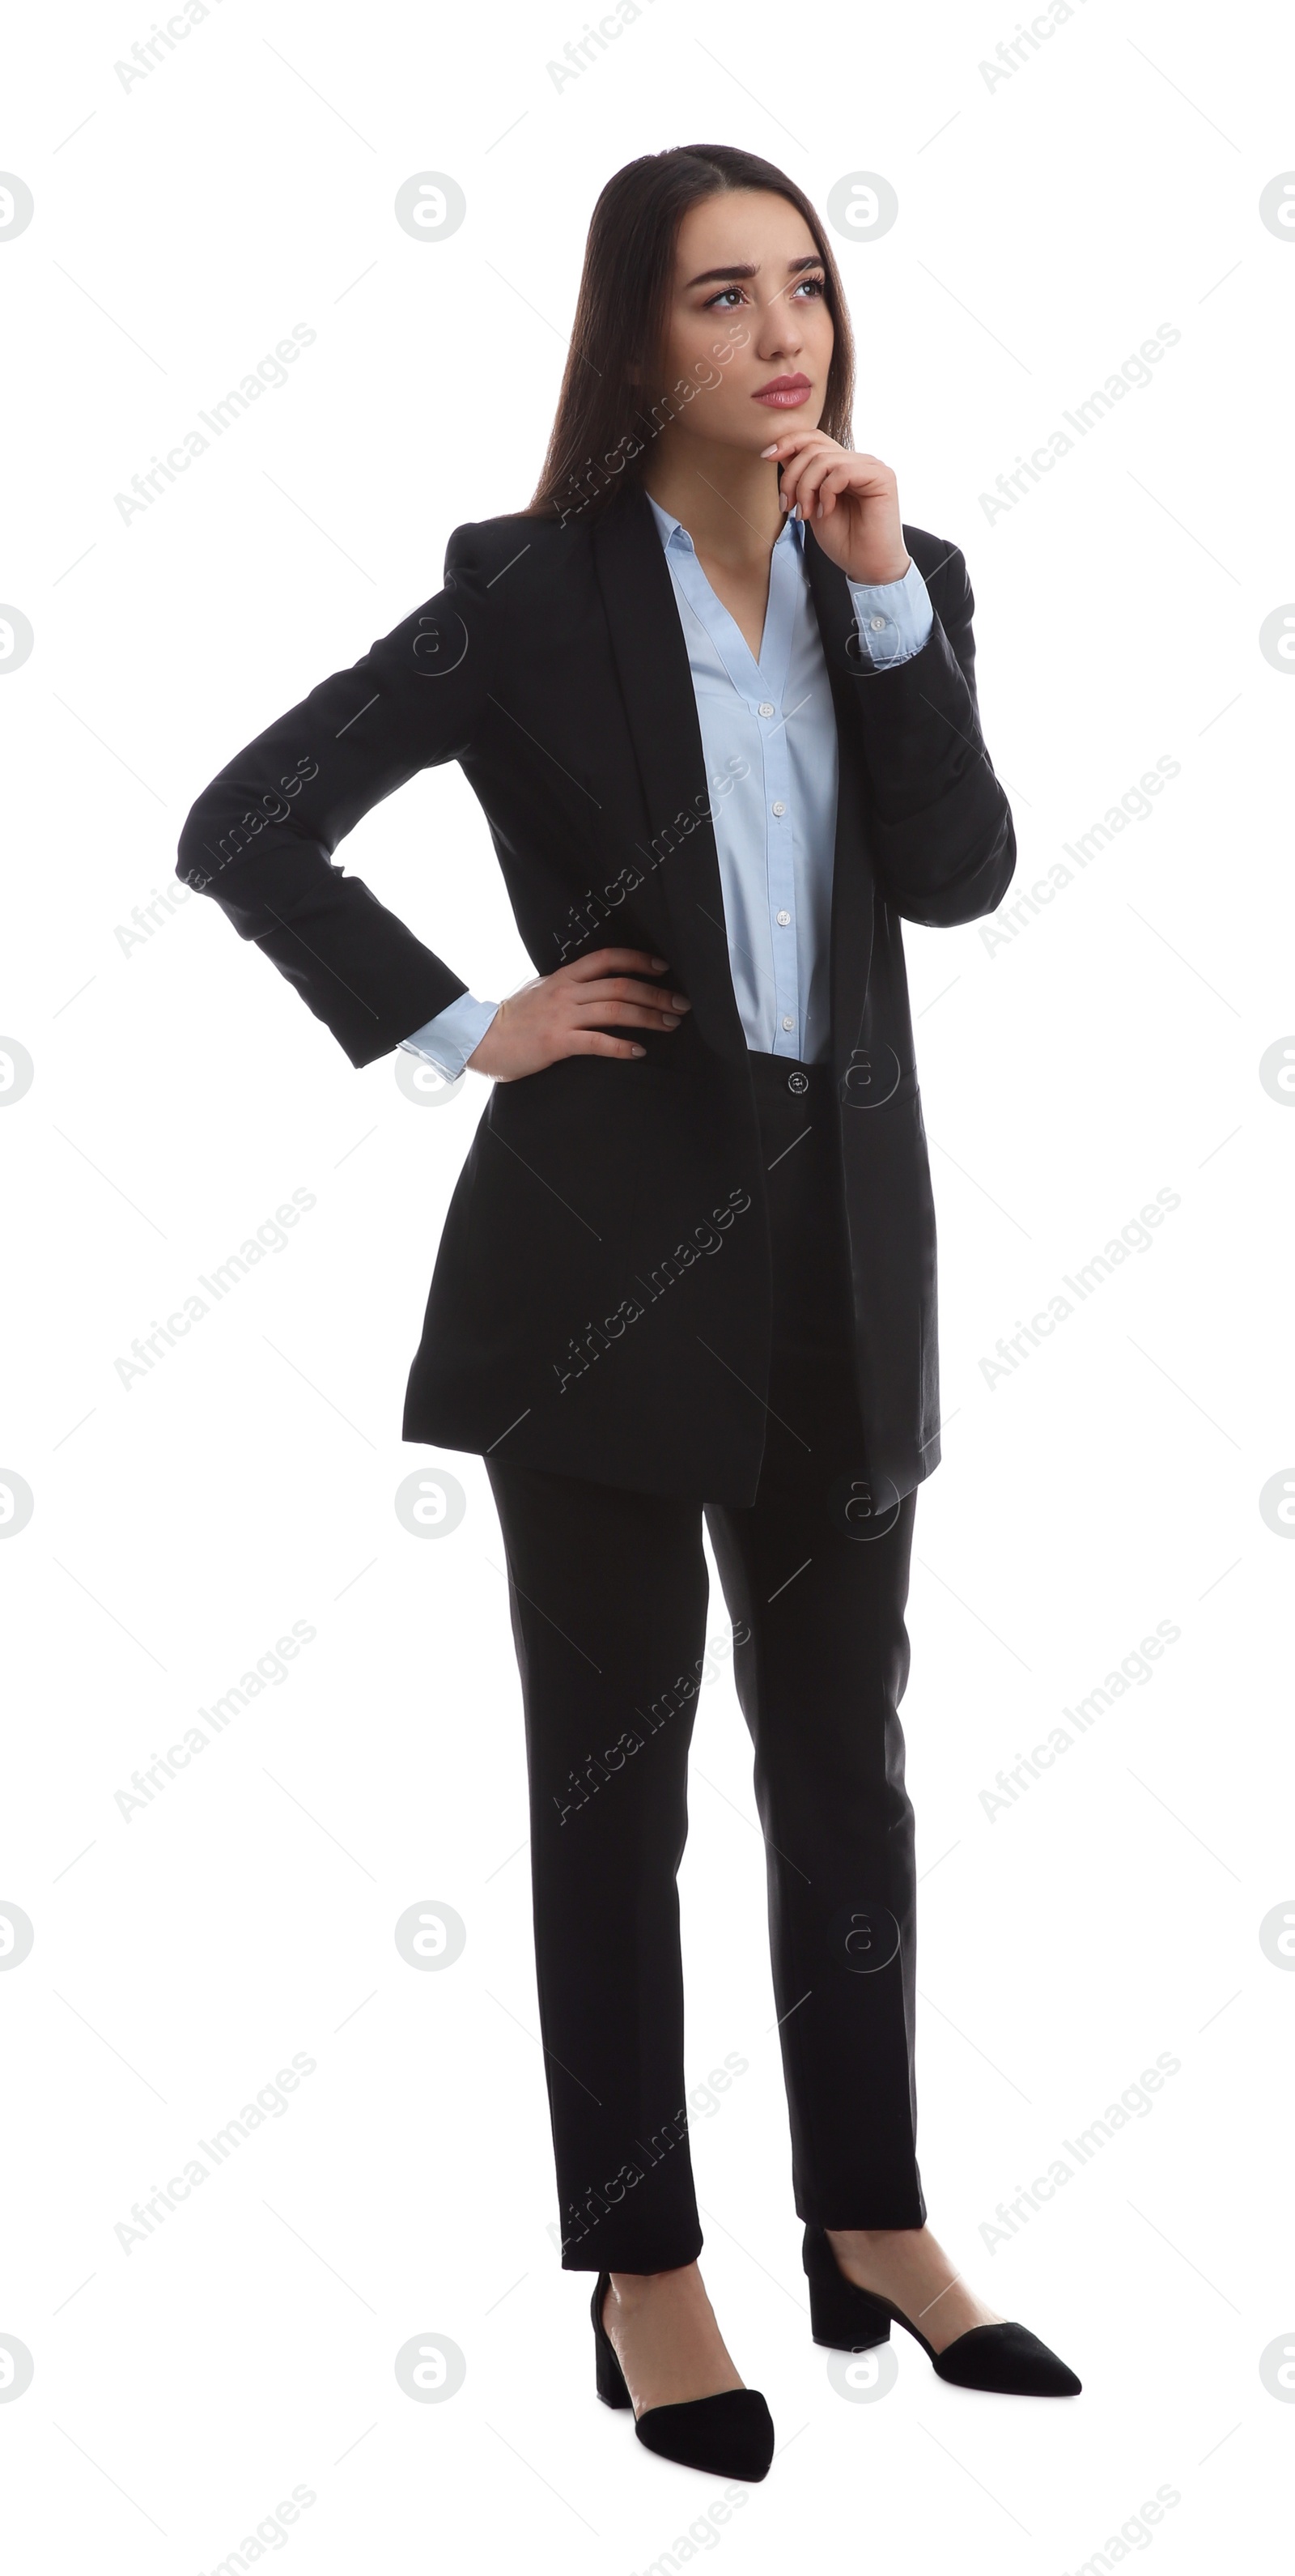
column 820, row 1672
column 608, row 1593
column 819, row 1678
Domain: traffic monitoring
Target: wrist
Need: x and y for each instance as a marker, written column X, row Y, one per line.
column 487, row 1035
column 885, row 576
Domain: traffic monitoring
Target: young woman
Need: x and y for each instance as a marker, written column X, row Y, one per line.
column 718, row 704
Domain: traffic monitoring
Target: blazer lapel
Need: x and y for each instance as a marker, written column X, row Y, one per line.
column 853, row 883
column 655, row 679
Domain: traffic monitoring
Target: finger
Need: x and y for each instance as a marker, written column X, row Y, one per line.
column 790, row 442
column 798, row 494
column 632, row 1015
column 834, row 486
column 864, row 474
column 851, row 475
column 622, row 988
column 610, row 961
column 813, row 473
column 591, row 1042
column 804, row 445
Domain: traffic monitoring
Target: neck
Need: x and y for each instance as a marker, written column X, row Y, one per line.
column 727, row 501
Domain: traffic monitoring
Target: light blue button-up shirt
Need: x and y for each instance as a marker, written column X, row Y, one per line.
column 775, row 829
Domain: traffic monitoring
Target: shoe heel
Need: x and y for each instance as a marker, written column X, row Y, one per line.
column 609, row 2378
column 840, row 2315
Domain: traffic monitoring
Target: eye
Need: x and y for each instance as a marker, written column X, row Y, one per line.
column 724, row 291
column 815, row 285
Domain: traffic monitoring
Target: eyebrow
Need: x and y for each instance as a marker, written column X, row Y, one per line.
column 750, row 268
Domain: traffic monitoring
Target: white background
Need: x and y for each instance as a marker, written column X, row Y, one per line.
column 1110, row 1050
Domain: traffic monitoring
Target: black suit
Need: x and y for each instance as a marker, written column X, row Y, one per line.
column 700, row 1280
column 608, row 1593
column 552, row 666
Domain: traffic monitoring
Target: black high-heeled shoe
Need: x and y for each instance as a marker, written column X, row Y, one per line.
column 1006, row 2359
column 729, row 2435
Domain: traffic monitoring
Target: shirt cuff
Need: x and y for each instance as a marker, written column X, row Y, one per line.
column 894, row 618
column 453, row 1035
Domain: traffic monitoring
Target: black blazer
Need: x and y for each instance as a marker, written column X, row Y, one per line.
column 610, row 1219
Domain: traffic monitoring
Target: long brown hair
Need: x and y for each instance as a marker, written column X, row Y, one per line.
column 605, row 422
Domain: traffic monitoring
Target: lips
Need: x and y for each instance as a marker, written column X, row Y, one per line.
column 784, row 393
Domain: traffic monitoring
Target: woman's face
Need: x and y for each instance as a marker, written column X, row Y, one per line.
column 748, row 310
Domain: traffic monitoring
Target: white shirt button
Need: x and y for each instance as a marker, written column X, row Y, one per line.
column 783, row 919
column 779, row 807
column 765, row 707
column 789, row 1024
column 876, row 623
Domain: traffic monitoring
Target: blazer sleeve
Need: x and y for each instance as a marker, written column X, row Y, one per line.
column 260, row 839
column 944, row 846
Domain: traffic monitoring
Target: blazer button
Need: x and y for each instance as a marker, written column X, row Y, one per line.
column 798, row 1082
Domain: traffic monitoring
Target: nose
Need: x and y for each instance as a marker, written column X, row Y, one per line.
column 779, row 335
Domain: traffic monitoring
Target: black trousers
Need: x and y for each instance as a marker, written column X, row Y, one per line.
column 608, row 1593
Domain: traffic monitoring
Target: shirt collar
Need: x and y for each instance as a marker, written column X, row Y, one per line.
column 672, row 531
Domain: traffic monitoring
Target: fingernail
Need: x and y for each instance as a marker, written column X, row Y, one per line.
column 638, row 1050
column 680, row 1002
column 770, row 451
column 661, row 964
column 667, row 1022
